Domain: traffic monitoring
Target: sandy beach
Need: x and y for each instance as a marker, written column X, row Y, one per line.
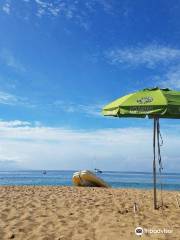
column 65, row 213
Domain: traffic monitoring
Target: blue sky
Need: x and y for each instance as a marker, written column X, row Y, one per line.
column 61, row 61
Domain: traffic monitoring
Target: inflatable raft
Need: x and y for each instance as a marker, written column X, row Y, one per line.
column 88, row 179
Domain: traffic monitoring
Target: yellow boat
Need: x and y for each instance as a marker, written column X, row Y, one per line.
column 87, row 178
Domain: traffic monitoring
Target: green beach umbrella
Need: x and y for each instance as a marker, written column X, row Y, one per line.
column 150, row 102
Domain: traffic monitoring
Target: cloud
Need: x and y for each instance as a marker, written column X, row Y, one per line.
column 7, row 98
column 92, row 110
column 107, row 5
column 86, row 109
column 14, row 123
column 149, row 56
column 43, row 147
column 6, row 8
column 72, row 8
column 11, row 61
column 13, row 100
column 77, row 11
column 171, row 78
column 47, row 8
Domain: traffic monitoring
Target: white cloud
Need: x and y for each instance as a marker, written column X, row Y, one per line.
column 77, row 11
column 86, row 109
column 41, row 147
column 171, row 79
column 53, row 8
column 71, row 8
column 55, row 11
column 14, row 123
column 7, row 98
column 68, row 107
column 13, row 100
column 48, row 8
column 149, row 56
column 6, row 8
column 42, row 3
column 106, row 4
column 11, row 61
column 92, row 110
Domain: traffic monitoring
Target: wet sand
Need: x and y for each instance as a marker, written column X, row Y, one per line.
column 65, row 213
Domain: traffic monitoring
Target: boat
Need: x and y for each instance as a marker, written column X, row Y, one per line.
column 44, row 172
column 97, row 170
column 87, row 178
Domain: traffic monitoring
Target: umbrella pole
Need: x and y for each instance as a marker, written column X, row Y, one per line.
column 154, row 162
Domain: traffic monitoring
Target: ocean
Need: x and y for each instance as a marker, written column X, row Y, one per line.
column 143, row 180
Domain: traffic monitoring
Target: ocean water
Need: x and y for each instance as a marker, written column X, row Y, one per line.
column 170, row 181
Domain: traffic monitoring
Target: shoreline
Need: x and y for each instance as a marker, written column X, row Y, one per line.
column 72, row 186
column 60, row 212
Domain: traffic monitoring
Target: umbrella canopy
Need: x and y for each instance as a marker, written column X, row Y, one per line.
column 151, row 102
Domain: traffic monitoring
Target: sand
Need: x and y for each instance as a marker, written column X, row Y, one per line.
column 65, row 213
